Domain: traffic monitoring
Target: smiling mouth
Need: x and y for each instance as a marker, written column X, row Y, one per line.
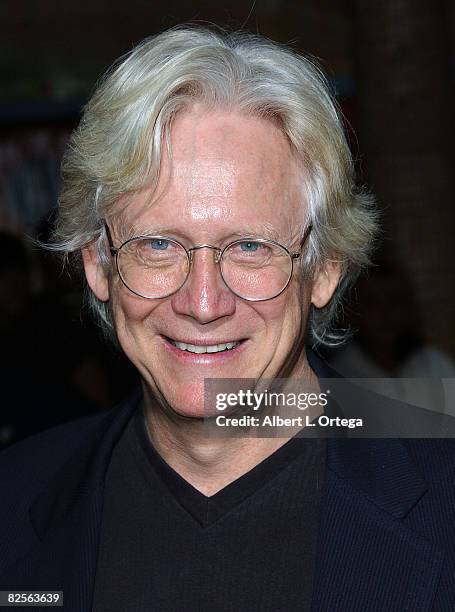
column 200, row 349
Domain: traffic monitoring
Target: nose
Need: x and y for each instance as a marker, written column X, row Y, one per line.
column 204, row 296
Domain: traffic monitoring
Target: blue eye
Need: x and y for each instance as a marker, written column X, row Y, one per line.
column 159, row 244
column 249, row 247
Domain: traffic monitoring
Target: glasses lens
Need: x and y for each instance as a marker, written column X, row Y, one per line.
column 152, row 267
column 256, row 270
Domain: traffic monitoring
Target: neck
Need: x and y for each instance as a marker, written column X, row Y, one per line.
column 211, row 463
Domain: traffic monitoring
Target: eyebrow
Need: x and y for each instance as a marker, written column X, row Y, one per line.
column 265, row 230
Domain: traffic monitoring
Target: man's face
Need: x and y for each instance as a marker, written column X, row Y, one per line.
column 230, row 176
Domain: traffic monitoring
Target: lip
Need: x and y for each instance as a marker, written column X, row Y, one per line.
column 204, row 358
column 200, row 342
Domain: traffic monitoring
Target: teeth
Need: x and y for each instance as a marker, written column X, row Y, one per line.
column 214, row 348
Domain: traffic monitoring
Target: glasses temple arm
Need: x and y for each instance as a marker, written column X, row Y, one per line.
column 302, row 242
column 112, row 248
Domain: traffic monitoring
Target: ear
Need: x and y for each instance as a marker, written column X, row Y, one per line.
column 325, row 282
column 95, row 273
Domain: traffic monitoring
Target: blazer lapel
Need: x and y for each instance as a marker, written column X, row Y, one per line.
column 65, row 557
column 65, row 521
column 368, row 559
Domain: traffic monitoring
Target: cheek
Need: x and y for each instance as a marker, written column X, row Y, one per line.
column 284, row 314
column 130, row 310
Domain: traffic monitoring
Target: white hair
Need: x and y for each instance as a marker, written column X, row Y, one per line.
column 117, row 146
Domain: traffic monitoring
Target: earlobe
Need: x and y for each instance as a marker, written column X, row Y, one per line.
column 94, row 272
column 325, row 282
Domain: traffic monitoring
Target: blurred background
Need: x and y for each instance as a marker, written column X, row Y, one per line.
column 392, row 66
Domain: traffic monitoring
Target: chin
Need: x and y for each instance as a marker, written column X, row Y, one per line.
column 188, row 400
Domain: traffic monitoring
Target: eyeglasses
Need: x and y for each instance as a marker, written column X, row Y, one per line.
column 254, row 269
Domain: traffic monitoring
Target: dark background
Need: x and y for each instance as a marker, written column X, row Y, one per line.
column 391, row 63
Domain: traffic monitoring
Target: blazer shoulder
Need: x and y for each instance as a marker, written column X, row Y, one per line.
column 434, row 456
column 28, row 464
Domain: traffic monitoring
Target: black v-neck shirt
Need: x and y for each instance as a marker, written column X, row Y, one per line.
column 164, row 546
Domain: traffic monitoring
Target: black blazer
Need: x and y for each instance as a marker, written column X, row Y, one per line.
column 386, row 540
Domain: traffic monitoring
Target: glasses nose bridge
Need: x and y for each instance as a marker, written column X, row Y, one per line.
column 197, row 247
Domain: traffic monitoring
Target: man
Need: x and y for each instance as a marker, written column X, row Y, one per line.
column 209, row 189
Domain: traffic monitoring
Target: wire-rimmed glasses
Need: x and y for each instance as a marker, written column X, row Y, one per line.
column 254, row 269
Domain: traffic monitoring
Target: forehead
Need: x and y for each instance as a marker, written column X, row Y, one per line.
column 228, row 172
